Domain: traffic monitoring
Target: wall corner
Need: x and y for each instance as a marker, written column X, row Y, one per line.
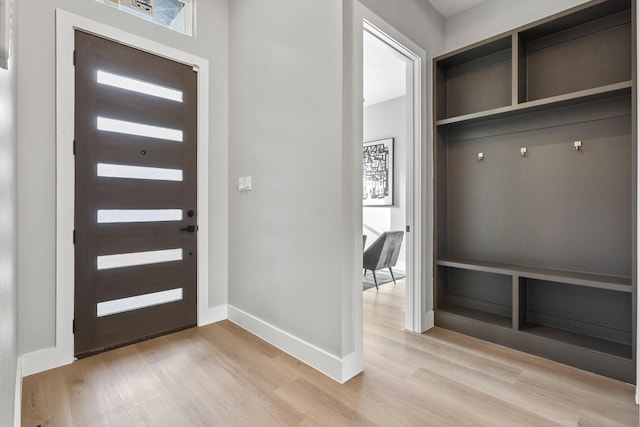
column 17, row 410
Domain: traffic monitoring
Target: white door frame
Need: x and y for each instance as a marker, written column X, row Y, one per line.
column 66, row 24
column 417, row 318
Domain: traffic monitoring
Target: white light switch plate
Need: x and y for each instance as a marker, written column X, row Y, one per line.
column 244, row 183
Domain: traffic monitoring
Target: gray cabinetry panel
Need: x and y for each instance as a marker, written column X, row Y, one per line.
column 571, row 61
column 556, row 207
column 595, row 312
column 535, row 248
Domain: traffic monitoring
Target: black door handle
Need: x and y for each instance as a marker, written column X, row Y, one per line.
column 190, row 228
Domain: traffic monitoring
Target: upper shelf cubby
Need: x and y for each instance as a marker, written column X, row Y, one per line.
column 572, row 57
column 474, row 80
column 587, row 49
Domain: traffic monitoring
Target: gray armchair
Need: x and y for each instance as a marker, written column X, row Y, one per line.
column 383, row 253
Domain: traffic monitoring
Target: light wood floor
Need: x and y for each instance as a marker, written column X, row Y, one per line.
column 220, row 375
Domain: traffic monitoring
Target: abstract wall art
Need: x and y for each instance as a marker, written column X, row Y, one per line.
column 377, row 177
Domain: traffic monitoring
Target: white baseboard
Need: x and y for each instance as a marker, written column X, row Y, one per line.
column 43, row 360
column 213, row 315
column 352, row 365
column 429, row 320
column 340, row 370
column 17, row 409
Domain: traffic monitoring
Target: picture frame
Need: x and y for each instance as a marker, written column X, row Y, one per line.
column 378, row 173
column 6, row 18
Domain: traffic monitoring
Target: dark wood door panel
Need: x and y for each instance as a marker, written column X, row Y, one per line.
column 117, row 283
column 129, row 288
column 118, row 193
column 149, row 322
column 140, row 152
column 130, row 62
column 141, row 242
column 168, row 116
column 109, row 96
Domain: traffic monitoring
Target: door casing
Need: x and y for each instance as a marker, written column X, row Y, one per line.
column 66, row 24
column 95, row 333
column 418, row 312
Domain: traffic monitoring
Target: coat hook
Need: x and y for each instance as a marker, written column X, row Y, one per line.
column 480, row 156
column 577, row 145
column 523, row 151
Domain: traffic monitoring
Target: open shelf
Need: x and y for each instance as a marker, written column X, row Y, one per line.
column 535, row 143
column 588, row 49
column 613, row 348
column 482, row 316
column 589, row 95
column 613, row 283
column 475, row 80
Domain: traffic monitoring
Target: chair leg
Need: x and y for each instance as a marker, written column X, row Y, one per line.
column 375, row 279
column 392, row 276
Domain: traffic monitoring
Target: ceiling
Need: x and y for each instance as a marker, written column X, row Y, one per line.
column 449, row 8
column 385, row 70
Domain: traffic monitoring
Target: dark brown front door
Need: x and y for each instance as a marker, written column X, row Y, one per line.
column 135, row 206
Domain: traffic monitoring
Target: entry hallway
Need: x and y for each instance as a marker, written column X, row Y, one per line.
column 220, row 375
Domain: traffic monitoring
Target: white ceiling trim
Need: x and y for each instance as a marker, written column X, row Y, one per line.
column 449, row 8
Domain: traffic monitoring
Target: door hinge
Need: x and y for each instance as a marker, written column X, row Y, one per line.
column 73, row 326
column 75, row 57
column 408, row 229
column 74, row 237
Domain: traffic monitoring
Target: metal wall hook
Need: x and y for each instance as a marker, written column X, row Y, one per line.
column 480, row 156
column 523, row 151
column 577, row 145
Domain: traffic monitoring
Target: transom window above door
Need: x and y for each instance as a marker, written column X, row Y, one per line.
column 174, row 14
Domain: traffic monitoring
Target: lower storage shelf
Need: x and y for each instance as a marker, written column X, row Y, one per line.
column 481, row 316
column 582, row 320
column 588, row 342
column 608, row 358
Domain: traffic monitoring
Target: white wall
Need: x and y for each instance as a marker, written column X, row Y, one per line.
column 388, row 119
column 290, row 59
column 285, row 132
column 8, row 243
column 497, row 16
column 36, row 148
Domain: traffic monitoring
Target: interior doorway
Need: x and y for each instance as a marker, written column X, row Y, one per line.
column 391, row 163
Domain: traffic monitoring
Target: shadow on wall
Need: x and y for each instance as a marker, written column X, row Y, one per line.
column 371, row 233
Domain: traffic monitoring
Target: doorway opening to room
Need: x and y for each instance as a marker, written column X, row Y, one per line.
column 391, row 133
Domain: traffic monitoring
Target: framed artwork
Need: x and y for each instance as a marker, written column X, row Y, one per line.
column 6, row 18
column 377, row 173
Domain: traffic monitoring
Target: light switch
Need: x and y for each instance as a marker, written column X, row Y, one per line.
column 244, row 183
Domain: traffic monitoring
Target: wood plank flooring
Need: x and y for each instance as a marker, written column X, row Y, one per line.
column 220, row 375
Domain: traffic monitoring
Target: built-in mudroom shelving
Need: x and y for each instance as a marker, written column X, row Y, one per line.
column 535, row 148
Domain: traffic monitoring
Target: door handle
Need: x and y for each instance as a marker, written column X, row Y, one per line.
column 190, row 228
